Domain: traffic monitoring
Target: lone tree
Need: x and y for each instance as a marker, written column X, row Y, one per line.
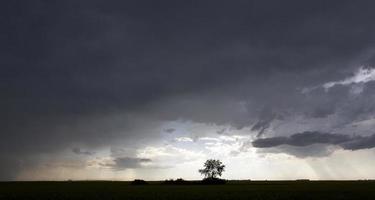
column 212, row 169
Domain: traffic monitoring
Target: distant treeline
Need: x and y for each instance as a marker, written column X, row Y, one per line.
column 180, row 181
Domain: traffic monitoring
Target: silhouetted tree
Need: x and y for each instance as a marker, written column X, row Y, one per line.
column 212, row 169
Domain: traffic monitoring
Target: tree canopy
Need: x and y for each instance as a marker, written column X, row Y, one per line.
column 212, row 168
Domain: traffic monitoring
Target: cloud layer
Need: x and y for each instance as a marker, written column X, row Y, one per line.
column 306, row 139
column 80, row 77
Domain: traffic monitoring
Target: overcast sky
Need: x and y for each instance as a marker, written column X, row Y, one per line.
column 119, row 90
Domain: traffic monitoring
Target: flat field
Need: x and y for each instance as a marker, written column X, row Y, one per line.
column 274, row 190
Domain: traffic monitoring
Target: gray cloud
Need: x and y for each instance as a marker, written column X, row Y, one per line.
column 79, row 151
column 170, row 130
column 129, row 162
column 360, row 143
column 265, row 119
column 313, row 150
column 313, row 138
column 97, row 73
column 302, row 139
column 222, row 131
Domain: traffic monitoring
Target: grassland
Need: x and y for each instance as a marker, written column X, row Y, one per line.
column 274, row 190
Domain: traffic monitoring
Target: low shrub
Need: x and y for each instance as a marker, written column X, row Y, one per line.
column 178, row 181
column 213, row 181
column 139, row 182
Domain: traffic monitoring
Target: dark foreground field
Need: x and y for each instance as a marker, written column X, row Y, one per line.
column 232, row 190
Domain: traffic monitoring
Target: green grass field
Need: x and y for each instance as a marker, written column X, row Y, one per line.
column 155, row 190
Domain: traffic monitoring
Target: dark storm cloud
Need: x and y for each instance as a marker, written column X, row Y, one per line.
column 97, row 73
column 9, row 168
column 265, row 118
column 106, row 56
column 170, row 130
column 302, row 139
column 12, row 164
column 129, row 162
column 313, row 138
column 360, row 143
column 82, row 152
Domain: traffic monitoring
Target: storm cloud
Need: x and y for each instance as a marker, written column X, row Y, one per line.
column 310, row 138
column 302, row 139
column 79, row 151
column 129, row 162
column 101, row 74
